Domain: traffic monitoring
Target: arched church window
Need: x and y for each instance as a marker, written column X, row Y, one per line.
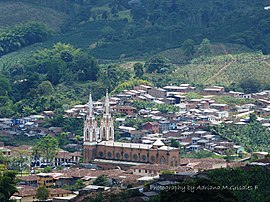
column 109, row 154
column 126, row 156
column 152, row 158
column 118, row 155
column 162, row 160
column 100, row 154
column 143, row 157
column 135, row 157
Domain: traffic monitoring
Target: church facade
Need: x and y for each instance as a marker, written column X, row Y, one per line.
column 99, row 143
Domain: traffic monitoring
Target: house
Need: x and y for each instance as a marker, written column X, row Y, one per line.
column 214, row 90
column 183, row 88
column 193, row 147
column 164, row 126
column 236, row 94
column 149, row 169
column 128, row 110
column 28, row 194
column 64, row 158
column 151, row 126
column 143, row 87
column 199, row 165
column 30, row 180
column 220, row 107
column 157, row 92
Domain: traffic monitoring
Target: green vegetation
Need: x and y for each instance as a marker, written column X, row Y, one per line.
column 255, row 177
column 101, row 181
column 8, row 183
column 21, row 35
column 253, row 136
column 165, row 172
column 200, row 154
column 55, row 79
column 226, row 70
column 14, row 12
column 174, row 143
column 232, row 100
column 119, row 29
column 47, row 148
column 128, row 85
column 78, row 185
column 42, row 193
column 18, row 140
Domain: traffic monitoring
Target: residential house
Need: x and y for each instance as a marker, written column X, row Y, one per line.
column 128, row 110
column 151, row 126
column 164, row 126
column 213, row 90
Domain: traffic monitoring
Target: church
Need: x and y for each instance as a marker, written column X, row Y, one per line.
column 99, row 143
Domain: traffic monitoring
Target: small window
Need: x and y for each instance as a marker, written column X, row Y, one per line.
column 126, row 156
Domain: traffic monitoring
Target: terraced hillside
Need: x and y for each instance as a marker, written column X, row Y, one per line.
column 226, row 69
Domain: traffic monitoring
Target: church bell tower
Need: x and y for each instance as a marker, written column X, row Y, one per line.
column 106, row 122
column 90, row 133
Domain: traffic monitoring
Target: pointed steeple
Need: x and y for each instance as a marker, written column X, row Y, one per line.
column 106, row 123
column 107, row 104
column 90, row 106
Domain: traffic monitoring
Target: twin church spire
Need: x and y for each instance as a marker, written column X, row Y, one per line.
column 93, row 133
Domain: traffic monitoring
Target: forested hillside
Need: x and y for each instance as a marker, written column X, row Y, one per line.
column 79, row 45
column 118, row 28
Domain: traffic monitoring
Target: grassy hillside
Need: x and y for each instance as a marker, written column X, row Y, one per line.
column 14, row 12
column 226, row 69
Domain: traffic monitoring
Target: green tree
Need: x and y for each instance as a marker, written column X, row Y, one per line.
column 7, row 185
column 188, row 47
column 78, row 185
column 45, row 88
column 252, row 118
column 27, row 110
column 42, row 193
column 20, row 160
column 4, row 86
column 62, row 139
column 174, row 143
column 156, row 64
column 101, row 180
column 204, row 48
column 47, row 148
column 109, row 75
column 138, row 69
column 250, row 85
